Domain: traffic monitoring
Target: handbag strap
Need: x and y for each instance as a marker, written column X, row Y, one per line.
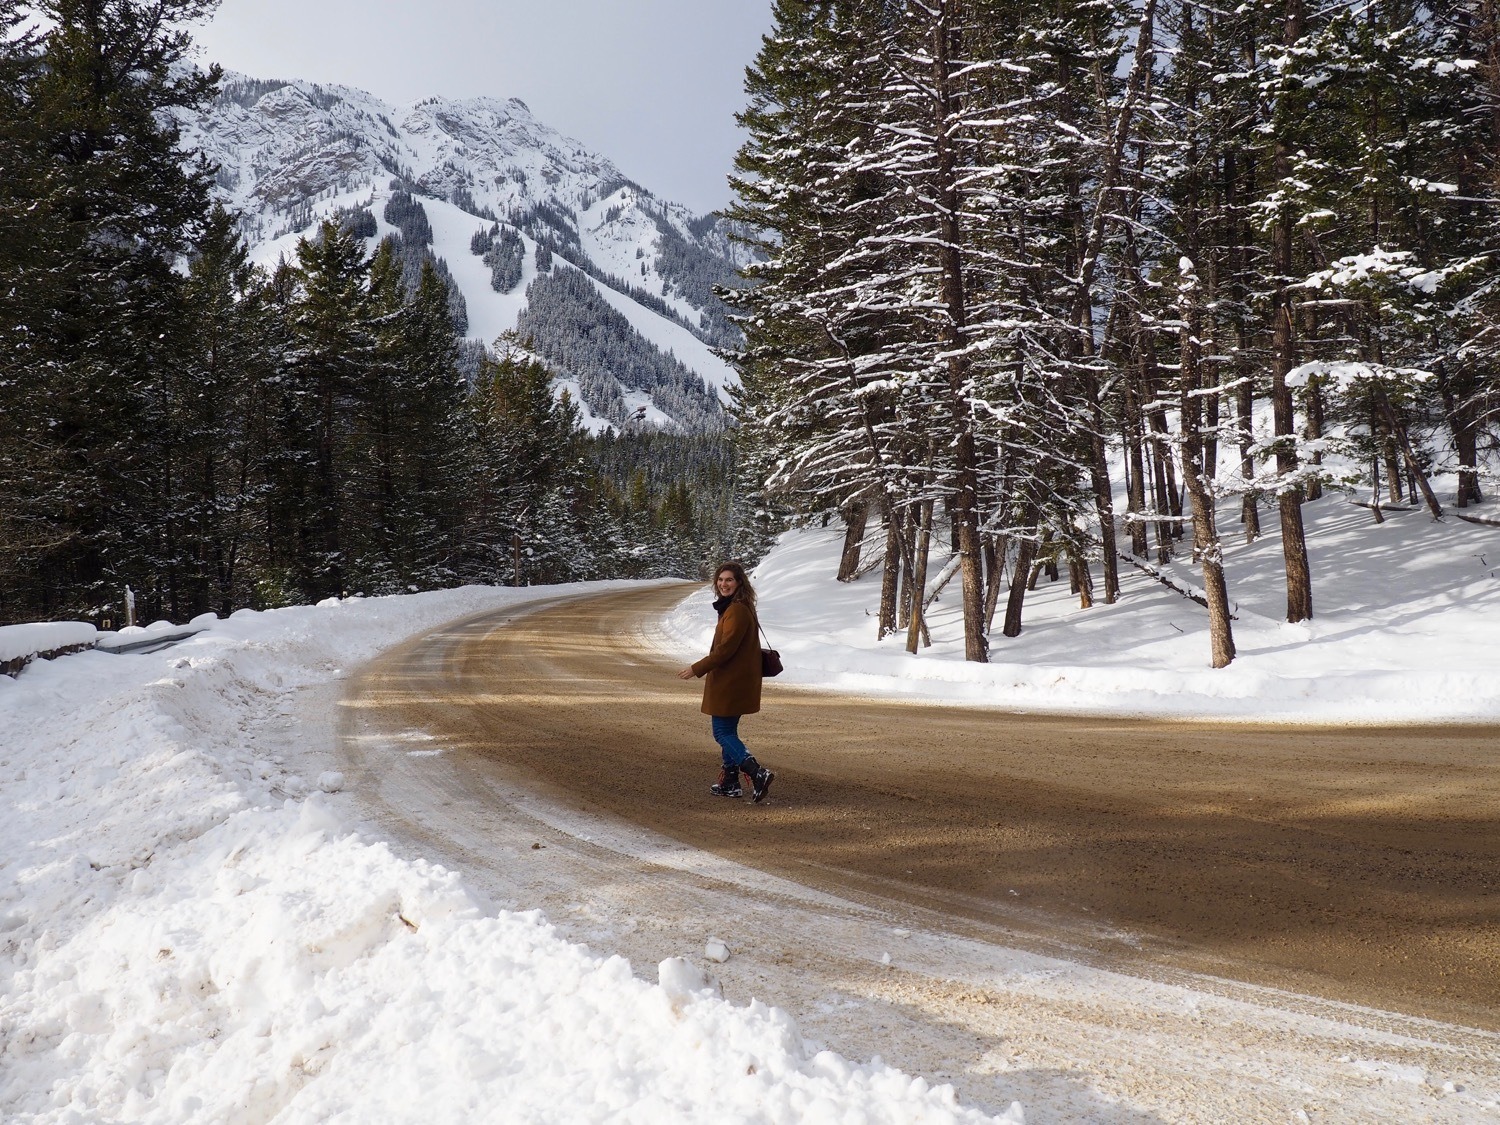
column 762, row 629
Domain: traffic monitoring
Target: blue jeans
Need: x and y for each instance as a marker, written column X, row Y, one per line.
column 726, row 730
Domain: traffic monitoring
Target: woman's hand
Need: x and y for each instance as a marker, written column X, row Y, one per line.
column 685, row 674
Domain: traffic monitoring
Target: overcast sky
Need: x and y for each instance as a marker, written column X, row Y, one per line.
column 651, row 84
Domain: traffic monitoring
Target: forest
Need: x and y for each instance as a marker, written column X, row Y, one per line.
column 573, row 327
column 215, row 436
column 1062, row 287
column 1014, row 253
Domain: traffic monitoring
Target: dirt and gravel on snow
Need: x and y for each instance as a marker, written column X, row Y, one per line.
column 1300, row 868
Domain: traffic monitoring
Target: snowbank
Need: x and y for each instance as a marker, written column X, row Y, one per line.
column 1406, row 616
column 189, row 933
column 20, row 641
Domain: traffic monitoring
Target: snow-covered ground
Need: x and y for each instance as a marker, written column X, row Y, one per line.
column 190, row 932
column 44, row 636
column 1406, row 616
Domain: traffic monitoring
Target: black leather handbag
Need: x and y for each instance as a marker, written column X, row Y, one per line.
column 770, row 659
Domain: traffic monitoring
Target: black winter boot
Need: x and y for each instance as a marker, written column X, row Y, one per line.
column 728, row 784
column 760, row 778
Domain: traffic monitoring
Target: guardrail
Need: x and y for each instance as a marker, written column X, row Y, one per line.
column 150, row 641
column 47, row 640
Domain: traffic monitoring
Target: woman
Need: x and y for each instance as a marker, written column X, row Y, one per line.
column 732, row 687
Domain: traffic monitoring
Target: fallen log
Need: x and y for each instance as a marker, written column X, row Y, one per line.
column 1148, row 569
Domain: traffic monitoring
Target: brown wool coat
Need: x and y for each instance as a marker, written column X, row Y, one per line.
column 732, row 665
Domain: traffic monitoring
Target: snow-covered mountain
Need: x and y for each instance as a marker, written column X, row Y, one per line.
column 515, row 210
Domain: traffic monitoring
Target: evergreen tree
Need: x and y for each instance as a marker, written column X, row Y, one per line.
column 99, row 202
column 817, row 418
column 333, row 349
column 524, row 515
column 220, row 427
column 407, row 465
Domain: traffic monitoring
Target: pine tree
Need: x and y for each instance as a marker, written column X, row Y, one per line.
column 813, row 423
column 524, row 452
column 332, row 350
column 222, row 390
column 92, row 295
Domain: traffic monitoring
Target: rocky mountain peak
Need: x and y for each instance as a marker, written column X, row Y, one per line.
column 488, row 174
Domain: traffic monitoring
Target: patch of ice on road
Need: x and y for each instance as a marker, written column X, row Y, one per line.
column 1391, row 1072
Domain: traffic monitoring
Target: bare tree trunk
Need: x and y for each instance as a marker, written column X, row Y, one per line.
column 1413, row 466
column 1293, row 535
column 1375, row 445
column 1245, row 410
column 1018, row 580
column 1392, row 469
column 856, row 516
column 1159, row 467
column 892, row 573
column 1170, row 492
column 1135, row 468
column 917, row 625
column 1211, row 406
column 1104, row 503
column 1283, row 359
column 946, row 47
column 908, row 564
column 994, row 558
column 1081, row 579
column 1461, row 423
column 1206, row 544
column 1313, row 398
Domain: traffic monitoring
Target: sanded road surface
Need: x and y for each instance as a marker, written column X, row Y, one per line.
column 1353, row 864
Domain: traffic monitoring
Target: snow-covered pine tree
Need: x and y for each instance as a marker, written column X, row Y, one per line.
column 988, row 333
column 523, row 451
column 1090, row 52
column 233, row 346
column 1189, row 161
column 1396, row 250
column 814, row 424
column 1468, row 370
column 1289, row 73
column 333, row 349
column 92, row 294
column 1215, row 108
column 906, row 305
column 406, row 464
column 929, row 117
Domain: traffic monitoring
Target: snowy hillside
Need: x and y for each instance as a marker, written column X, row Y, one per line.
column 290, row 154
column 1420, row 649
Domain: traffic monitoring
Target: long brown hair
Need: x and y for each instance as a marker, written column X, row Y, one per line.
column 746, row 592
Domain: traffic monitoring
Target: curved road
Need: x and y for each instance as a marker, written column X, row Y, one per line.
column 1356, row 865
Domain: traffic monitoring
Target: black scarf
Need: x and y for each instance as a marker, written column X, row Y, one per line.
column 721, row 604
